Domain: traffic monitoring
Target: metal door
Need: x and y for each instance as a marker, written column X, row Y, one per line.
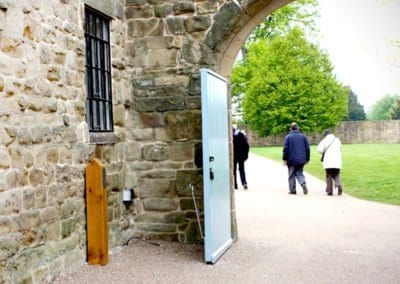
column 216, row 173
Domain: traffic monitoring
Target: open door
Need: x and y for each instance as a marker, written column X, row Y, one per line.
column 216, row 172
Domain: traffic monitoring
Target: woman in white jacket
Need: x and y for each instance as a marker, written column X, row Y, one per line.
column 331, row 149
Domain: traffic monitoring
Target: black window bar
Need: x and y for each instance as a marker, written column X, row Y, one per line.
column 98, row 72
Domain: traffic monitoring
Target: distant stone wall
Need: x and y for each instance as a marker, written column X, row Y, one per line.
column 349, row 132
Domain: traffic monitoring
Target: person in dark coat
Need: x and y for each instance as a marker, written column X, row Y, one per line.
column 296, row 153
column 240, row 155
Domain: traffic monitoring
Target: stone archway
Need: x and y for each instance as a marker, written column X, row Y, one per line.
column 158, row 48
column 233, row 24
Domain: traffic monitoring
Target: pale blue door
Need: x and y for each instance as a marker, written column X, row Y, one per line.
column 216, row 173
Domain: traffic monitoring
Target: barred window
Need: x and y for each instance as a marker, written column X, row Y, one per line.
column 98, row 72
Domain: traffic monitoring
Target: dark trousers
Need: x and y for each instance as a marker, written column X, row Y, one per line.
column 332, row 174
column 295, row 172
column 241, row 172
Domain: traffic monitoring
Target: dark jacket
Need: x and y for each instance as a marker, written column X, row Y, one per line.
column 296, row 149
column 240, row 147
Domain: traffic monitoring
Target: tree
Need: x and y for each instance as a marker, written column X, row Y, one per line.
column 286, row 79
column 388, row 107
column 355, row 109
column 300, row 13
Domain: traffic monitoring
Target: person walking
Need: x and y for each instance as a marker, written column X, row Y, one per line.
column 240, row 155
column 331, row 149
column 296, row 153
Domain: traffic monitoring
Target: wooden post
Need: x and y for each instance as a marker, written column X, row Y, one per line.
column 96, row 213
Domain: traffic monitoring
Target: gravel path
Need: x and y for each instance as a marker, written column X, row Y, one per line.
column 282, row 239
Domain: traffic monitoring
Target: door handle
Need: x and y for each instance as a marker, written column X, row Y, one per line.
column 211, row 174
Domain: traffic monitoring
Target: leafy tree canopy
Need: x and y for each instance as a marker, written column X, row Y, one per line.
column 355, row 109
column 300, row 13
column 286, row 79
column 388, row 107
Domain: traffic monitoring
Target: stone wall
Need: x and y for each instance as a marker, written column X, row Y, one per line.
column 158, row 47
column 45, row 144
column 349, row 132
column 44, row 139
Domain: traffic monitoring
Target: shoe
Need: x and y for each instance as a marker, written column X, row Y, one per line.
column 245, row 186
column 340, row 190
column 329, row 193
column 292, row 192
column 305, row 189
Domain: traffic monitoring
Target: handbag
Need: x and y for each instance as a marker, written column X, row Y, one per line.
column 323, row 154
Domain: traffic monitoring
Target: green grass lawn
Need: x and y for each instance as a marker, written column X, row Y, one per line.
column 370, row 171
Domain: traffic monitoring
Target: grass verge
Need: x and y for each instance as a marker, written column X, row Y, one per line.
column 370, row 171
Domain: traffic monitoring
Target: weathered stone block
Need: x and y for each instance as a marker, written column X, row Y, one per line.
column 29, row 219
column 206, row 7
column 177, row 217
column 162, row 11
column 139, row 12
column 191, row 51
column 149, row 218
column 15, row 178
column 184, row 124
column 162, row 228
column 176, row 25
column 197, row 23
column 183, row 8
column 49, row 215
column 155, row 152
column 52, row 155
column 193, row 103
column 186, row 177
column 158, row 188
column 159, row 104
column 54, row 73
column 40, row 196
column 140, row 166
column 4, row 158
column 157, row 173
column 159, row 204
column 63, row 174
column 159, row 42
column 68, row 226
column 9, row 246
column 152, row 119
column 228, row 15
column 133, row 151
column 10, row 202
column 162, row 58
column 36, row 177
column 119, row 115
column 145, row 27
column 28, row 199
column 181, row 151
column 9, row 225
column 135, row 2
column 24, row 136
column 55, row 194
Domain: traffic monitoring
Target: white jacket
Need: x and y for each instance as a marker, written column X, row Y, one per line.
column 333, row 154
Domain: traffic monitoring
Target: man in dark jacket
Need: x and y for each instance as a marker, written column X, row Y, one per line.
column 296, row 153
column 240, row 155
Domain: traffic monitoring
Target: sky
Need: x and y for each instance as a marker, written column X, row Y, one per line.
column 358, row 36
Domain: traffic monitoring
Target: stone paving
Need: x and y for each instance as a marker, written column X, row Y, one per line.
column 283, row 238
